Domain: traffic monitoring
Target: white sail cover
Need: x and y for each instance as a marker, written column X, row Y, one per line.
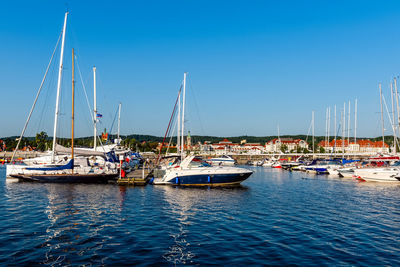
column 78, row 151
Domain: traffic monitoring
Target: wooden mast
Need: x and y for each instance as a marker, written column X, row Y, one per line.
column 73, row 112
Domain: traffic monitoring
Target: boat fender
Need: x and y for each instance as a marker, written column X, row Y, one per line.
column 177, row 180
column 209, row 179
column 151, row 180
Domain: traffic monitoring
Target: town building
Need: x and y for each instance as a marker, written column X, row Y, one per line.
column 360, row 146
column 288, row 144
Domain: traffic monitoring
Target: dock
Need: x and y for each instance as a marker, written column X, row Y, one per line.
column 138, row 177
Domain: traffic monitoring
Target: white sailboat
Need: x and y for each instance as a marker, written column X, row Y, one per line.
column 59, row 159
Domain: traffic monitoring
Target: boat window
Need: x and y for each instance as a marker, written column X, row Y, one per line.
column 196, row 162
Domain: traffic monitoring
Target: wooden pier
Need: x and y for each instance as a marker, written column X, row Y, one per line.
column 139, row 177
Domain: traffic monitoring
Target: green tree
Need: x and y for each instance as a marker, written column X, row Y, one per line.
column 41, row 139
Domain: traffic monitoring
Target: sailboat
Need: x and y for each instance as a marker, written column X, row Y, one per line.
column 191, row 170
column 63, row 163
column 67, row 173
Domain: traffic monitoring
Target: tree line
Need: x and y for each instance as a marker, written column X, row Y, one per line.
column 142, row 143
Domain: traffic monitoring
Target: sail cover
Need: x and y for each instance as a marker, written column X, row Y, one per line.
column 78, row 151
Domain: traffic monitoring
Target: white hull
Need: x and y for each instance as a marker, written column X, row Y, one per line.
column 267, row 164
column 377, row 174
column 346, row 172
column 200, row 174
column 80, row 167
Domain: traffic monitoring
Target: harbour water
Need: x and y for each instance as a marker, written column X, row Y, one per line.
column 275, row 218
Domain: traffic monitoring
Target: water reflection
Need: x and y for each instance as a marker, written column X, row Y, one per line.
column 185, row 204
column 78, row 217
column 276, row 218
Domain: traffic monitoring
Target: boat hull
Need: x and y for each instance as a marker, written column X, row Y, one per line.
column 205, row 179
column 67, row 178
column 378, row 175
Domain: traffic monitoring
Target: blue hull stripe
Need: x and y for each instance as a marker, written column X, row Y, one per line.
column 211, row 179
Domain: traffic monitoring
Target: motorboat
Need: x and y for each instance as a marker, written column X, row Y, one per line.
column 224, row 160
column 289, row 165
column 385, row 174
column 276, row 165
column 194, row 171
column 346, row 172
column 323, row 166
column 267, row 163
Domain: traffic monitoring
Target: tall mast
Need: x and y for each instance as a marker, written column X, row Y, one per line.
column 326, row 126
column 278, row 134
column 178, row 135
column 329, row 123
column 59, row 87
column 355, row 122
column 344, row 127
column 94, row 110
column 397, row 103
column 183, row 114
column 313, row 132
column 119, row 120
column 348, row 127
column 383, row 123
column 335, row 132
column 394, row 119
column 73, row 111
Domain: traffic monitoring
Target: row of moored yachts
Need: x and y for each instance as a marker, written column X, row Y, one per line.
column 377, row 169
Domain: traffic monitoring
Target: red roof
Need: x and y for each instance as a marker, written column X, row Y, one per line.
column 286, row 141
column 361, row 143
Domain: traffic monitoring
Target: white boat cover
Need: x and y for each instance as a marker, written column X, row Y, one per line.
column 77, row 151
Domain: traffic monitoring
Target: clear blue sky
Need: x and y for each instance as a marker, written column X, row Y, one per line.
column 252, row 64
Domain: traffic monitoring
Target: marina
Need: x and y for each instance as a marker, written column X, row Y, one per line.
column 262, row 134
column 274, row 218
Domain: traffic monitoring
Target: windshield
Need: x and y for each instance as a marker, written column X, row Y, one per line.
column 197, row 162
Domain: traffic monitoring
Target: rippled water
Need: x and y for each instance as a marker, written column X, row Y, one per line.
column 275, row 218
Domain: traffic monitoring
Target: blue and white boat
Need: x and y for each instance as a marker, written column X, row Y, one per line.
column 323, row 166
column 194, row 171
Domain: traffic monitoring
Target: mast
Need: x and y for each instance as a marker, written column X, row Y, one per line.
column 59, row 87
column 178, row 135
column 355, row 122
column 334, row 149
column 313, row 132
column 183, row 114
column 329, row 123
column 344, row 127
column 326, row 126
column 279, row 134
column 73, row 111
column 348, row 127
column 394, row 119
column 397, row 103
column 383, row 123
column 119, row 120
column 94, row 110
